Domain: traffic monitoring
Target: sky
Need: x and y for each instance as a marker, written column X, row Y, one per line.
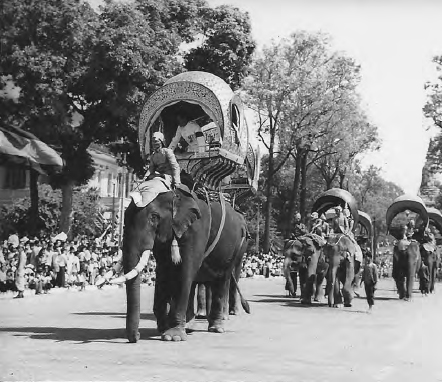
column 394, row 41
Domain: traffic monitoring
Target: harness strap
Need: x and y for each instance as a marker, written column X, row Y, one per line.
column 221, row 225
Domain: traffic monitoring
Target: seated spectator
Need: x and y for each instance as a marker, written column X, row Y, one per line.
column 3, row 288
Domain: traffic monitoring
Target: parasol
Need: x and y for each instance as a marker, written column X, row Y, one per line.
column 334, row 197
column 407, row 202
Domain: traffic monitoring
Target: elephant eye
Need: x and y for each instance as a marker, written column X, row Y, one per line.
column 154, row 219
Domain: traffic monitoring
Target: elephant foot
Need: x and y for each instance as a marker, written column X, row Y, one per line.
column 348, row 305
column 133, row 337
column 200, row 315
column 216, row 329
column 233, row 313
column 306, row 302
column 174, row 334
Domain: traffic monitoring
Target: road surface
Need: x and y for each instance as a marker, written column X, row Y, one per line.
column 70, row 335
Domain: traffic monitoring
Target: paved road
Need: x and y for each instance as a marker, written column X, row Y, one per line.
column 72, row 335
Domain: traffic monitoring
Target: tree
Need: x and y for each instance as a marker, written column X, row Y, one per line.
column 433, row 106
column 227, row 45
column 82, row 76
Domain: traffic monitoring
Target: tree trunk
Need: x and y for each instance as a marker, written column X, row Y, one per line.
column 293, row 197
column 268, row 207
column 67, row 191
column 303, row 191
column 33, row 210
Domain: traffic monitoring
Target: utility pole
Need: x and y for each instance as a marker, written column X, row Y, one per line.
column 123, row 185
column 257, row 228
column 374, row 240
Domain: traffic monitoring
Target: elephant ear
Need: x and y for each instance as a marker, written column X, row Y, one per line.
column 185, row 211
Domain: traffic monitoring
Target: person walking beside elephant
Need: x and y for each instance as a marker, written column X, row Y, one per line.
column 20, row 272
column 370, row 278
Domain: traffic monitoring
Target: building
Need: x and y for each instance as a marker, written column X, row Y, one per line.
column 112, row 181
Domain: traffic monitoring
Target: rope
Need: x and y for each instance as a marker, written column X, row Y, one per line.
column 221, row 226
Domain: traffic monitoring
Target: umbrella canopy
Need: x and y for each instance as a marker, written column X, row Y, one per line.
column 365, row 221
column 335, row 197
column 23, row 148
column 407, row 202
column 435, row 218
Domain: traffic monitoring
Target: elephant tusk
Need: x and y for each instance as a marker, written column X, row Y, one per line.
column 134, row 272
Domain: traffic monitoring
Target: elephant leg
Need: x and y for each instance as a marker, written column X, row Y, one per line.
column 226, row 301
column 161, row 298
column 133, row 309
column 190, row 315
column 319, row 281
column 400, row 285
column 337, row 289
column 184, row 274
column 310, row 288
column 331, row 281
column 201, row 311
column 432, row 276
column 303, row 281
column 347, row 290
column 410, row 282
column 219, row 293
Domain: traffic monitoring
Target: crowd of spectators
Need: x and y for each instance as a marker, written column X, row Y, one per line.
column 52, row 262
column 262, row 265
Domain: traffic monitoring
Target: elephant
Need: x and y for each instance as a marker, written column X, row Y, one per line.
column 340, row 252
column 406, row 263
column 307, row 252
column 208, row 236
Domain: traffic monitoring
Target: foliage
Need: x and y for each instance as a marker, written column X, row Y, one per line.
column 87, row 221
column 227, row 45
column 433, row 106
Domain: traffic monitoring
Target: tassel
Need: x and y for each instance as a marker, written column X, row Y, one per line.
column 175, row 252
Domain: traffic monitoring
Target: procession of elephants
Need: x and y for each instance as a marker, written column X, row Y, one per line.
column 198, row 237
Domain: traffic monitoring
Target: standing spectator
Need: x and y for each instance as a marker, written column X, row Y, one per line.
column 3, row 288
column 61, row 261
column 370, row 278
column 20, row 273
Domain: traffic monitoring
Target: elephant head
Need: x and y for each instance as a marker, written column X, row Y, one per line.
column 167, row 216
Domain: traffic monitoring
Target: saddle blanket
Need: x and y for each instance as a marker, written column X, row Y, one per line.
column 147, row 191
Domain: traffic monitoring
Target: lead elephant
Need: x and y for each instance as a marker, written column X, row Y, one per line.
column 152, row 226
column 312, row 266
column 340, row 251
column 406, row 263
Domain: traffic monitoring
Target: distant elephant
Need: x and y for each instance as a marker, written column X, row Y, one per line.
column 406, row 263
column 311, row 264
column 340, row 252
column 196, row 225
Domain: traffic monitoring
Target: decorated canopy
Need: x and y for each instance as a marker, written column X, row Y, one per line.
column 407, row 202
column 435, row 217
column 209, row 102
column 336, row 197
column 20, row 147
column 365, row 221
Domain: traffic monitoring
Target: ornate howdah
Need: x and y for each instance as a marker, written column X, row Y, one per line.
column 224, row 145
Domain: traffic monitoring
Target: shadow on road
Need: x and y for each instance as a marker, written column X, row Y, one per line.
column 80, row 335
column 287, row 301
column 143, row 316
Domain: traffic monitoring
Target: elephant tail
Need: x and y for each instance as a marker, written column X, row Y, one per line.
column 245, row 305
